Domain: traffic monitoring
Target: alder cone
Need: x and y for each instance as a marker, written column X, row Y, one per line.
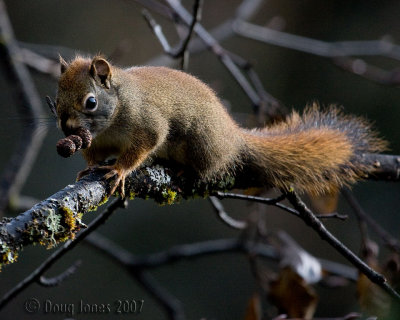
column 82, row 138
column 86, row 137
column 66, row 147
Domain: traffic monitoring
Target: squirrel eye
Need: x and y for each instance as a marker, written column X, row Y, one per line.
column 90, row 103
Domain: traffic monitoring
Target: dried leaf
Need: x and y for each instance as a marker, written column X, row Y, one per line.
column 326, row 203
column 254, row 310
column 298, row 259
column 292, row 295
column 373, row 300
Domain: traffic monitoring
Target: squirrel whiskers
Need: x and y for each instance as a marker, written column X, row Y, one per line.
column 143, row 112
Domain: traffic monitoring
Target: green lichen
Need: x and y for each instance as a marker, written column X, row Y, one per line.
column 227, row 183
column 132, row 195
column 72, row 222
column 169, row 196
column 8, row 257
column 103, row 201
column 52, row 223
column 7, row 254
column 69, row 217
column 158, row 175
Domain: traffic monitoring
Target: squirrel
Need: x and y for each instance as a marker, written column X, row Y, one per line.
column 146, row 112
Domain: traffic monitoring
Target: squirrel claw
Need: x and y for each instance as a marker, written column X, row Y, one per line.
column 85, row 172
column 119, row 182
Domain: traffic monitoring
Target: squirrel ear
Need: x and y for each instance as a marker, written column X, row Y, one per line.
column 100, row 70
column 64, row 65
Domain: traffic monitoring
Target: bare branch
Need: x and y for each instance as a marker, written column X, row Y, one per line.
column 228, row 220
column 40, row 63
column 388, row 239
column 311, row 220
column 317, row 47
column 171, row 304
column 58, row 218
column 301, row 210
column 181, row 50
column 269, row 201
column 21, row 162
column 55, row 281
column 199, row 249
column 338, row 51
column 222, row 54
column 386, row 167
column 246, row 10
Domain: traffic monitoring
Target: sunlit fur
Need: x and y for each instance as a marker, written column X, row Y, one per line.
column 165, row 113
column 317, row 151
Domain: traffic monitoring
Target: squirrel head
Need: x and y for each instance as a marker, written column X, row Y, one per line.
column 86, row 96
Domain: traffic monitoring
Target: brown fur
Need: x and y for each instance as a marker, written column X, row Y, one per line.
column 159, row 112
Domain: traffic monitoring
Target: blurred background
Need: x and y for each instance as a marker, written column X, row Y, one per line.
column 219, row 286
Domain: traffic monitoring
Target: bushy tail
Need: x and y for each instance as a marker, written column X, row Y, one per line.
column 317, row 152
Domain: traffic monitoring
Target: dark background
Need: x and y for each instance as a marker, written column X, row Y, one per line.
column 216, row 287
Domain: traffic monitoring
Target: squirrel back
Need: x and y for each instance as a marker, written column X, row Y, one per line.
column 155, row 112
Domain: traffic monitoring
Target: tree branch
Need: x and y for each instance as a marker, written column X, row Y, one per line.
column 387, row 238
column 37, row 273
column 181, row 50
column 311, row 220
column 30, row 108
column 58, row 218
column 55, row 281
column 339, row 52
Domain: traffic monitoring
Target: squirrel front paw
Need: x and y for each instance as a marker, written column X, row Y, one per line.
column 120, row 175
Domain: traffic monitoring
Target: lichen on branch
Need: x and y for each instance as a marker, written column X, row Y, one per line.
column 58, row 218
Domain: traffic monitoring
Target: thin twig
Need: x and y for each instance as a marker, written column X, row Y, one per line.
column 69, row 245
column 317, row 47
column 170, row 304
column 179, row 51
column 21, row 162
column 217, row 49
column 388, row 239
column 269, row 201
column 226, row 218
column 179, row 252
column 301, row 210
column 335, row 215
column 311, row 220
column 55, row 281
column 182, row 50
column 40, row 63
column 200, row 249
column 338, row 51
column 246, row 10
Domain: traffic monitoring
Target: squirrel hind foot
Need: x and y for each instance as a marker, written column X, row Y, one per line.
column 85, row 172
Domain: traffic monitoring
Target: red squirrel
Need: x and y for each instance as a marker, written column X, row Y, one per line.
column 157, row 112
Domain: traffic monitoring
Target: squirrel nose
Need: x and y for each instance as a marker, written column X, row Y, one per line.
column 62, row 123
column 68, row 125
